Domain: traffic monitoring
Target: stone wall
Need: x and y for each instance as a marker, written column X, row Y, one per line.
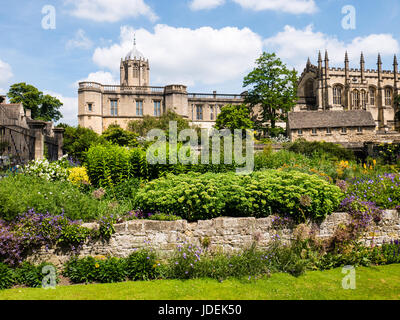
column 227, row 234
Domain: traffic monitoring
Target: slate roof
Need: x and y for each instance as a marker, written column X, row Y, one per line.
column 330, row 119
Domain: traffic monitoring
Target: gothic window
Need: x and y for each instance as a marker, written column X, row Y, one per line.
column 157, row 108
column 139, row 108
column 328, row 131
column 337, row 95
column 372, row 95
column 363, row 98
column 114, row 107
column 199, row 112
column 355, row 98
column 211, row 112
column 388, row 96
column 344, row 130
column 90, row 107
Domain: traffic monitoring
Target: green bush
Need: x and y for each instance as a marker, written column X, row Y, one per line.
column 83, row 270
column 142, row 265
column 111, row 270
column 320, row 148
column 7, row 277
column 19, row 193
column 95, row 269
column 194, row 196
column 30, row 275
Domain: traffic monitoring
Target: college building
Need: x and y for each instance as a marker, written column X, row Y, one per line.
column 102, row 105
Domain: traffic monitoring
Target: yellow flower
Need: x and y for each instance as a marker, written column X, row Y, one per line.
column 97, row 265
column 374, row 162
column 78, row 175
column 365, row 166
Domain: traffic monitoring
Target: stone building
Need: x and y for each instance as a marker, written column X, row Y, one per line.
column 352, row 126
column 324, row 88
column 23, row 139
column 101, row 105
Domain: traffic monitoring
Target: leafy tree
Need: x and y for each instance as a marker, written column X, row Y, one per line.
column 273, row 87
column 142, row 127
column 234, row 117
column 43, row 107
column 77, row 140
column 116, row 135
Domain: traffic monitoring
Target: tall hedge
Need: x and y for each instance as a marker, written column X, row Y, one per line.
column 203, row 196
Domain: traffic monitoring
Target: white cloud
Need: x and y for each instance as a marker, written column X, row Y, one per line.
column 289, row 6
column 205, row 4
column 69, row 110
column 110, row 11
column 187, row 56
column 293, row 46
column 102, row 77
column 5, row 75
column 80, row 41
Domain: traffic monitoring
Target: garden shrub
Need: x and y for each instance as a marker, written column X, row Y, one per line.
column 30, row 275
column 320, row 148
column 95, row 269
column 34, row 230
column 51, row 171
column 142, row 265
column 19, row 193
column 78, row 176
column 383, row 190
column 7, row 277
column 194, row 196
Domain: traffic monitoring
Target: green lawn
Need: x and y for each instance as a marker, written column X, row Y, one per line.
column 371, row 283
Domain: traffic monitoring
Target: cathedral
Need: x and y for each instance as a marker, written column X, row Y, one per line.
column 324, row 88
column 102, row 105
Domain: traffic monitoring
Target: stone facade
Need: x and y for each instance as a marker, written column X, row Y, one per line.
column 324, row 88
column 226, row 234
column 101, row 105
column 25, row 138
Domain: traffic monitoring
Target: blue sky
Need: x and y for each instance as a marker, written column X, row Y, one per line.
column 205, row 44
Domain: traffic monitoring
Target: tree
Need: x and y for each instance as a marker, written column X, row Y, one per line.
column 142, row 127
column 43, row 107
column 77, row 140
column 273, row 87
column 116, row 135
column 234, row 117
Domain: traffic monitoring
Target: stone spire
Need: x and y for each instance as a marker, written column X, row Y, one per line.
column 395, row 71
column 379, row 69
column 362, row 67
column 346, row 68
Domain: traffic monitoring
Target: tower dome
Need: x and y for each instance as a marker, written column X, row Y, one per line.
column 134, row 53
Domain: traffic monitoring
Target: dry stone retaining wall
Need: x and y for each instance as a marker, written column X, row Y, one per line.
column 227, row 234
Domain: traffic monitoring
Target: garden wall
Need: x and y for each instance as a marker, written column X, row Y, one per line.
column 222, row 233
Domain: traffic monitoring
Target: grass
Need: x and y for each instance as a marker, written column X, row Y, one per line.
column 372, row 283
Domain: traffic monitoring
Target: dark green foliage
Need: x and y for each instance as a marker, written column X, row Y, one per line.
column 260, row 194
column 142, row 265
column 273, row 87
column 77, row 141
column 90, row 269
column 142, row 127
column 111, row 270
column 116, row 135
column 234, row 117
column 83, row 270
column 7, row 277
column 43, row 107
column 320, row 149
column 30, row 275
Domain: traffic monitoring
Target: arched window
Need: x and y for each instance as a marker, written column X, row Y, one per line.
column 363, row 99
column 337, row 95
column 388, row 96
column 372, row 95
column 355, row 98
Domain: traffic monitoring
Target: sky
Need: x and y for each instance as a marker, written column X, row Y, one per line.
column 206, row 45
